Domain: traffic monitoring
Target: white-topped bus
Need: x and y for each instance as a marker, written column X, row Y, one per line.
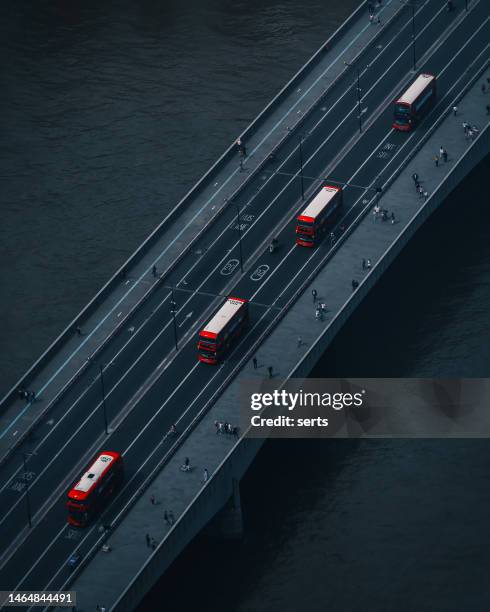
column 416, row 102
column 216, row 338
column 318, row 216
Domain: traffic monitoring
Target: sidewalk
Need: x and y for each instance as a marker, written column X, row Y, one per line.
column 63, row 367
column 101, row 582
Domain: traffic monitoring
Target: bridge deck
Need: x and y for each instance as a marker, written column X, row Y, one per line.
column 102, row 581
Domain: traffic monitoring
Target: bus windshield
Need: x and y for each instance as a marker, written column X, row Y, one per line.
column 77, row 513
column 402, row 111
column 305, row 228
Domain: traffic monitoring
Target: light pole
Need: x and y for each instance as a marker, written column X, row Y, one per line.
column 359, row 113
column 104, row 409
column 301, row 166
column 412, row 4
column 172, row 310
column 239, row 236
column 26, row 482
column 413, row 37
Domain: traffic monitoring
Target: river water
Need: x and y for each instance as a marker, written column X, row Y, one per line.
column 109, row 114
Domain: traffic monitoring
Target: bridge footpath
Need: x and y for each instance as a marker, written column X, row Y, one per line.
column 108, row 312
column 121, row 581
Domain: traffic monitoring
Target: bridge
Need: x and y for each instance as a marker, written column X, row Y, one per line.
column 130, row 371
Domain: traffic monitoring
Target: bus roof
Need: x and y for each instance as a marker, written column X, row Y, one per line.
column 416, row 88
column 221, row 318
column 318, row 203
column 93, row 475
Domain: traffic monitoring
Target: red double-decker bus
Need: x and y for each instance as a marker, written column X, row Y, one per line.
column 318, row 216
column 415, row 102
column 92, row 492
column 216, row 338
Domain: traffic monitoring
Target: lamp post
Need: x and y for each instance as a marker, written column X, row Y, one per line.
column 358, row 88
column 301, row 167
column 412, row 4
column 104, row 408
column 26, row 482
column 172, row 310
column 413, row 37
column 239, row 236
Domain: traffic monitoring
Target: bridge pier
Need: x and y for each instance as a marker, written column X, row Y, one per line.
column 228, row 523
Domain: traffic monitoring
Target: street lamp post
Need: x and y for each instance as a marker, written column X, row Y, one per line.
column 359, row 100
column 239, row 236
column 26, row 482
column 301, row 167
column 358, row 88
column 173, row 305
column 104, row 408
column 413, row 37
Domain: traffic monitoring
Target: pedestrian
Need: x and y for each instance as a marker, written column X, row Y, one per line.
column 79, row 331
column 314, row 293
column 421, row 191
column 205, row 475
column 436, row 160
column 254, row 361
column 449, row 5
column 415, row 177
column 171, row 517
column 270, row 370
column 363, row 263
column 32, row 396
column 465, row 127
column 392, row 221
column 102, row 608
column 483, row 88
column 355, row 285
column 154, row 271
column 384, row 215
column 455, row 110
column 444, row 155
column 153, row 545
column 441, row 152
column 376, row 211
column 323, row 307
column 148, row 539
column 318, row 314
column 371, row 17
column 300, row 341
column 469, row 134
column 332, row 238
column 426, row 195
column 368, row 262
column 21, row 393
column 153, row 500
column 488, row 109
column 242, row 151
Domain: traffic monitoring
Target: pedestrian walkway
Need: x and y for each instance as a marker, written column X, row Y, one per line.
column 73, row 351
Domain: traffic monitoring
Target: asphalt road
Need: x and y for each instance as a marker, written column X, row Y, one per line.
column 267, row 208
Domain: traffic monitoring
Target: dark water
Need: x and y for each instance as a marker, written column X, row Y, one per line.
column 109, row 113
